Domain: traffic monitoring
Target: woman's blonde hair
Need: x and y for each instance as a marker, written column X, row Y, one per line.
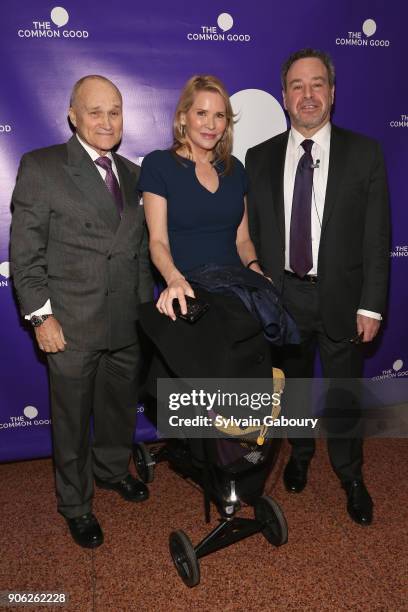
column 223, row 148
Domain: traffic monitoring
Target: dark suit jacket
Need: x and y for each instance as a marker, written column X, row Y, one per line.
column 354, row 246
column 69, row 244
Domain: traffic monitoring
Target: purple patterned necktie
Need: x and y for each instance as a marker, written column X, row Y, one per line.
column 300, row 241
column 111, row 181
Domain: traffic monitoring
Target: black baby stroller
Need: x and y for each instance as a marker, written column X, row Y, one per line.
column 232, row 466
column 232, row 470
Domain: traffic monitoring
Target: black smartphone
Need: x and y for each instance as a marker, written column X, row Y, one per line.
column 195, row 309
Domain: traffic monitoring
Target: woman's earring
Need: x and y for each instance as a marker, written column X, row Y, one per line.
column 183, row 129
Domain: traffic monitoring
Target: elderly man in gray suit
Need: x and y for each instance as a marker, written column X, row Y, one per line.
column 80, row 265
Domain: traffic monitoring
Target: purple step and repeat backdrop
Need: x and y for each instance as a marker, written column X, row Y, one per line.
column 150, row 49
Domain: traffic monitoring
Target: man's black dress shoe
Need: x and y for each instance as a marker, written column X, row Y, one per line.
column 359, row 502
column 86, row 530
column 129, row 488
column 295, row 475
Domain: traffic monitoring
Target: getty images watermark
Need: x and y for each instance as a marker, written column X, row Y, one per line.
column 276, row 408
column 206, row 403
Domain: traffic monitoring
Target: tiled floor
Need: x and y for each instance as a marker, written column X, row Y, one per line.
column 329, row 563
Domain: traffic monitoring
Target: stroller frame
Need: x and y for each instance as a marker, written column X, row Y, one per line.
column 268, row 516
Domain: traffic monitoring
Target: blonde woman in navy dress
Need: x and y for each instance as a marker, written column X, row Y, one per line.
column 194, row 194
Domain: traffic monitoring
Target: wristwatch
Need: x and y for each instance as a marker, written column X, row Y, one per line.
column 36, row 320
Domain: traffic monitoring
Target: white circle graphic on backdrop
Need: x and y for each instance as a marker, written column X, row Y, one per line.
column 259, row 116
column 397, row 365
column 225, row 21
column 5, row 269
column 30, row 412
column 369, row 27
column 59, row 16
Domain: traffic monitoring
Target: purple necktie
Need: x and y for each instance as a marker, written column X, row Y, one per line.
column 300, row 241
column 111, row 181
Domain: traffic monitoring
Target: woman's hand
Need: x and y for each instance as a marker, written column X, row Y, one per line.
column 177, row 288
column 255, row 267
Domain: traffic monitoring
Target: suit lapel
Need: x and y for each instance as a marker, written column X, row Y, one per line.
column 87, row 179
column 128, row 181
column 276, row 173
column 132, row 211
column 337, row 165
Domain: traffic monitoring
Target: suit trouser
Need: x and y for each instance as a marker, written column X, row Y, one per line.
column 102, row 384
column 339, row 360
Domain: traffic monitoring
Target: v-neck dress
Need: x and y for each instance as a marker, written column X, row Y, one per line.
column 202, row 225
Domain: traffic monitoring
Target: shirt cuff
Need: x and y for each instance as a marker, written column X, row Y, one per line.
column 370, row 313
column 44, row 310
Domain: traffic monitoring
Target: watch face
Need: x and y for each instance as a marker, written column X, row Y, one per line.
column 36, row 321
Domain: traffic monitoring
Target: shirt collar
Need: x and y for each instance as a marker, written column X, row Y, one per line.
column 91, row 152
column 321, row 138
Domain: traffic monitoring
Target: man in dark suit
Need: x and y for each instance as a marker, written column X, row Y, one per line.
column 318, row 210
column 80, row 264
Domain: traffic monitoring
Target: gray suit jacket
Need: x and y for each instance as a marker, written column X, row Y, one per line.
column 68, row 244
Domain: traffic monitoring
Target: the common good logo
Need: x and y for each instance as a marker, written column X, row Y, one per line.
column 4, row 273
column 364, row 38
column 54, row 28
column 401, row 122
column 396, row 371
column 29, row 418
column 5, row 128
column 400, row 250
column 223, row 31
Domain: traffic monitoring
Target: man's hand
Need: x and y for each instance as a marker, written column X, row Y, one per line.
column 50, row 336
column 368, row 327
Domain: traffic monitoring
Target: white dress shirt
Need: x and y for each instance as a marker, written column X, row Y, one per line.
column 47, row 309
column 321, row 155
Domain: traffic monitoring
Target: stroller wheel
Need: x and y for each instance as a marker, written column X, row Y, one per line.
column 272, row 519
column 144, row 462
column 184, row 558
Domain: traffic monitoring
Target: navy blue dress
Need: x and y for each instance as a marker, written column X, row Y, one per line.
column 202, row 226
